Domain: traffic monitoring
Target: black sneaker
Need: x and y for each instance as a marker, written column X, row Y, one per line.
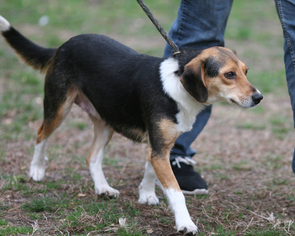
column 190, row 181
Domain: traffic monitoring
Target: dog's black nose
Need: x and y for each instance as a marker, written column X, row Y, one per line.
column 257, row 97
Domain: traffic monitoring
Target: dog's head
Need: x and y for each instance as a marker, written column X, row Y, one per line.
column 216, row 74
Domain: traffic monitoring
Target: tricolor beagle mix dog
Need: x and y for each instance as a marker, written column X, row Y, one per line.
column 139, row 96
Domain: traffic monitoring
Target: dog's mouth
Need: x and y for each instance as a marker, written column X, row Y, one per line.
column 233, row 101
column 248, row 103
column 241, row 104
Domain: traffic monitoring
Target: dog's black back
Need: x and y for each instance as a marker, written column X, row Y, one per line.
column 110, row 67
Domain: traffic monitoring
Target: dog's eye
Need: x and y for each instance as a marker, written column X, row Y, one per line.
column 230, row 75
column 246, row 72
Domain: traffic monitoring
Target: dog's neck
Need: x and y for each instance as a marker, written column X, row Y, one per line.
column 188, row 107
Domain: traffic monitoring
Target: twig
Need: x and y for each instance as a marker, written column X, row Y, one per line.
column 248, row 225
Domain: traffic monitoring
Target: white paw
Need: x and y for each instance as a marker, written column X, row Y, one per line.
column 106, row 190
column 188, row 228
column 148, row 197
column 37, row 172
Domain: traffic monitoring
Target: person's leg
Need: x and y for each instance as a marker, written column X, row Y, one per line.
column 199, row 25
column 286, row 13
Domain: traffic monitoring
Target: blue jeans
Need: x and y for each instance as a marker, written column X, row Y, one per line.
column 199, row 24
column 286, row 13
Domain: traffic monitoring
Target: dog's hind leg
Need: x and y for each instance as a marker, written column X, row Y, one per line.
column 55, row 110
column 147, row 186
column 102, row 135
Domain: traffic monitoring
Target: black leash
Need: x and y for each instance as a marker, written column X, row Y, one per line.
column 158, row 26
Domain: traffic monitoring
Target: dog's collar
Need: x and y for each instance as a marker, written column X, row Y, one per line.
column 175, row 53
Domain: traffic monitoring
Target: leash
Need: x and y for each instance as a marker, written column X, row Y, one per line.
column 159, row 27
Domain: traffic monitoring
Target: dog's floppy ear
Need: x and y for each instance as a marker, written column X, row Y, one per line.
column 192, row 80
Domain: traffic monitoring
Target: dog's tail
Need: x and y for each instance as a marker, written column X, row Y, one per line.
column 37, row 57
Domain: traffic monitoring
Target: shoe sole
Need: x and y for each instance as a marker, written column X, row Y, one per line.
column 196, row 192
column 202, row 191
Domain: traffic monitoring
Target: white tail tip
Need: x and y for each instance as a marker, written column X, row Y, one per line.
column 4, row 24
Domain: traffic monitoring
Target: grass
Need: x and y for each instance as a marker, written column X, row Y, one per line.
column 15, row 230
column 79, row 214
column 240, row 154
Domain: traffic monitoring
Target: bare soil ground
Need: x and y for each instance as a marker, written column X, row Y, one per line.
column 248, row 171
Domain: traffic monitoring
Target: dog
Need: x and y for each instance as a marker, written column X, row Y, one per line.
column 139, row 96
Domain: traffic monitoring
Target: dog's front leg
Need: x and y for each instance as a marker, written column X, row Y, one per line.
column 147, row 186
column 173, row 193
column 162, row 138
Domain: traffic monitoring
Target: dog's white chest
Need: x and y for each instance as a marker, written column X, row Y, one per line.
column 185, row 121
column 188, row 107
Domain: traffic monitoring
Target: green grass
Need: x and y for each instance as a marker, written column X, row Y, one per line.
column 268, row 81
column 253, row 15
column 96, row 17
column 42, row 204
column 265, row 233
column 15, row 230
column 252, row 125
column 281, row 126
column 78, row 214
column 81, row 125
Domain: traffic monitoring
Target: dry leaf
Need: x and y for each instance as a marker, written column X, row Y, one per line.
column 122, row 222
column 149, row 231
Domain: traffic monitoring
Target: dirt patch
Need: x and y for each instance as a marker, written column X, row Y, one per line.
column 251, row 185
